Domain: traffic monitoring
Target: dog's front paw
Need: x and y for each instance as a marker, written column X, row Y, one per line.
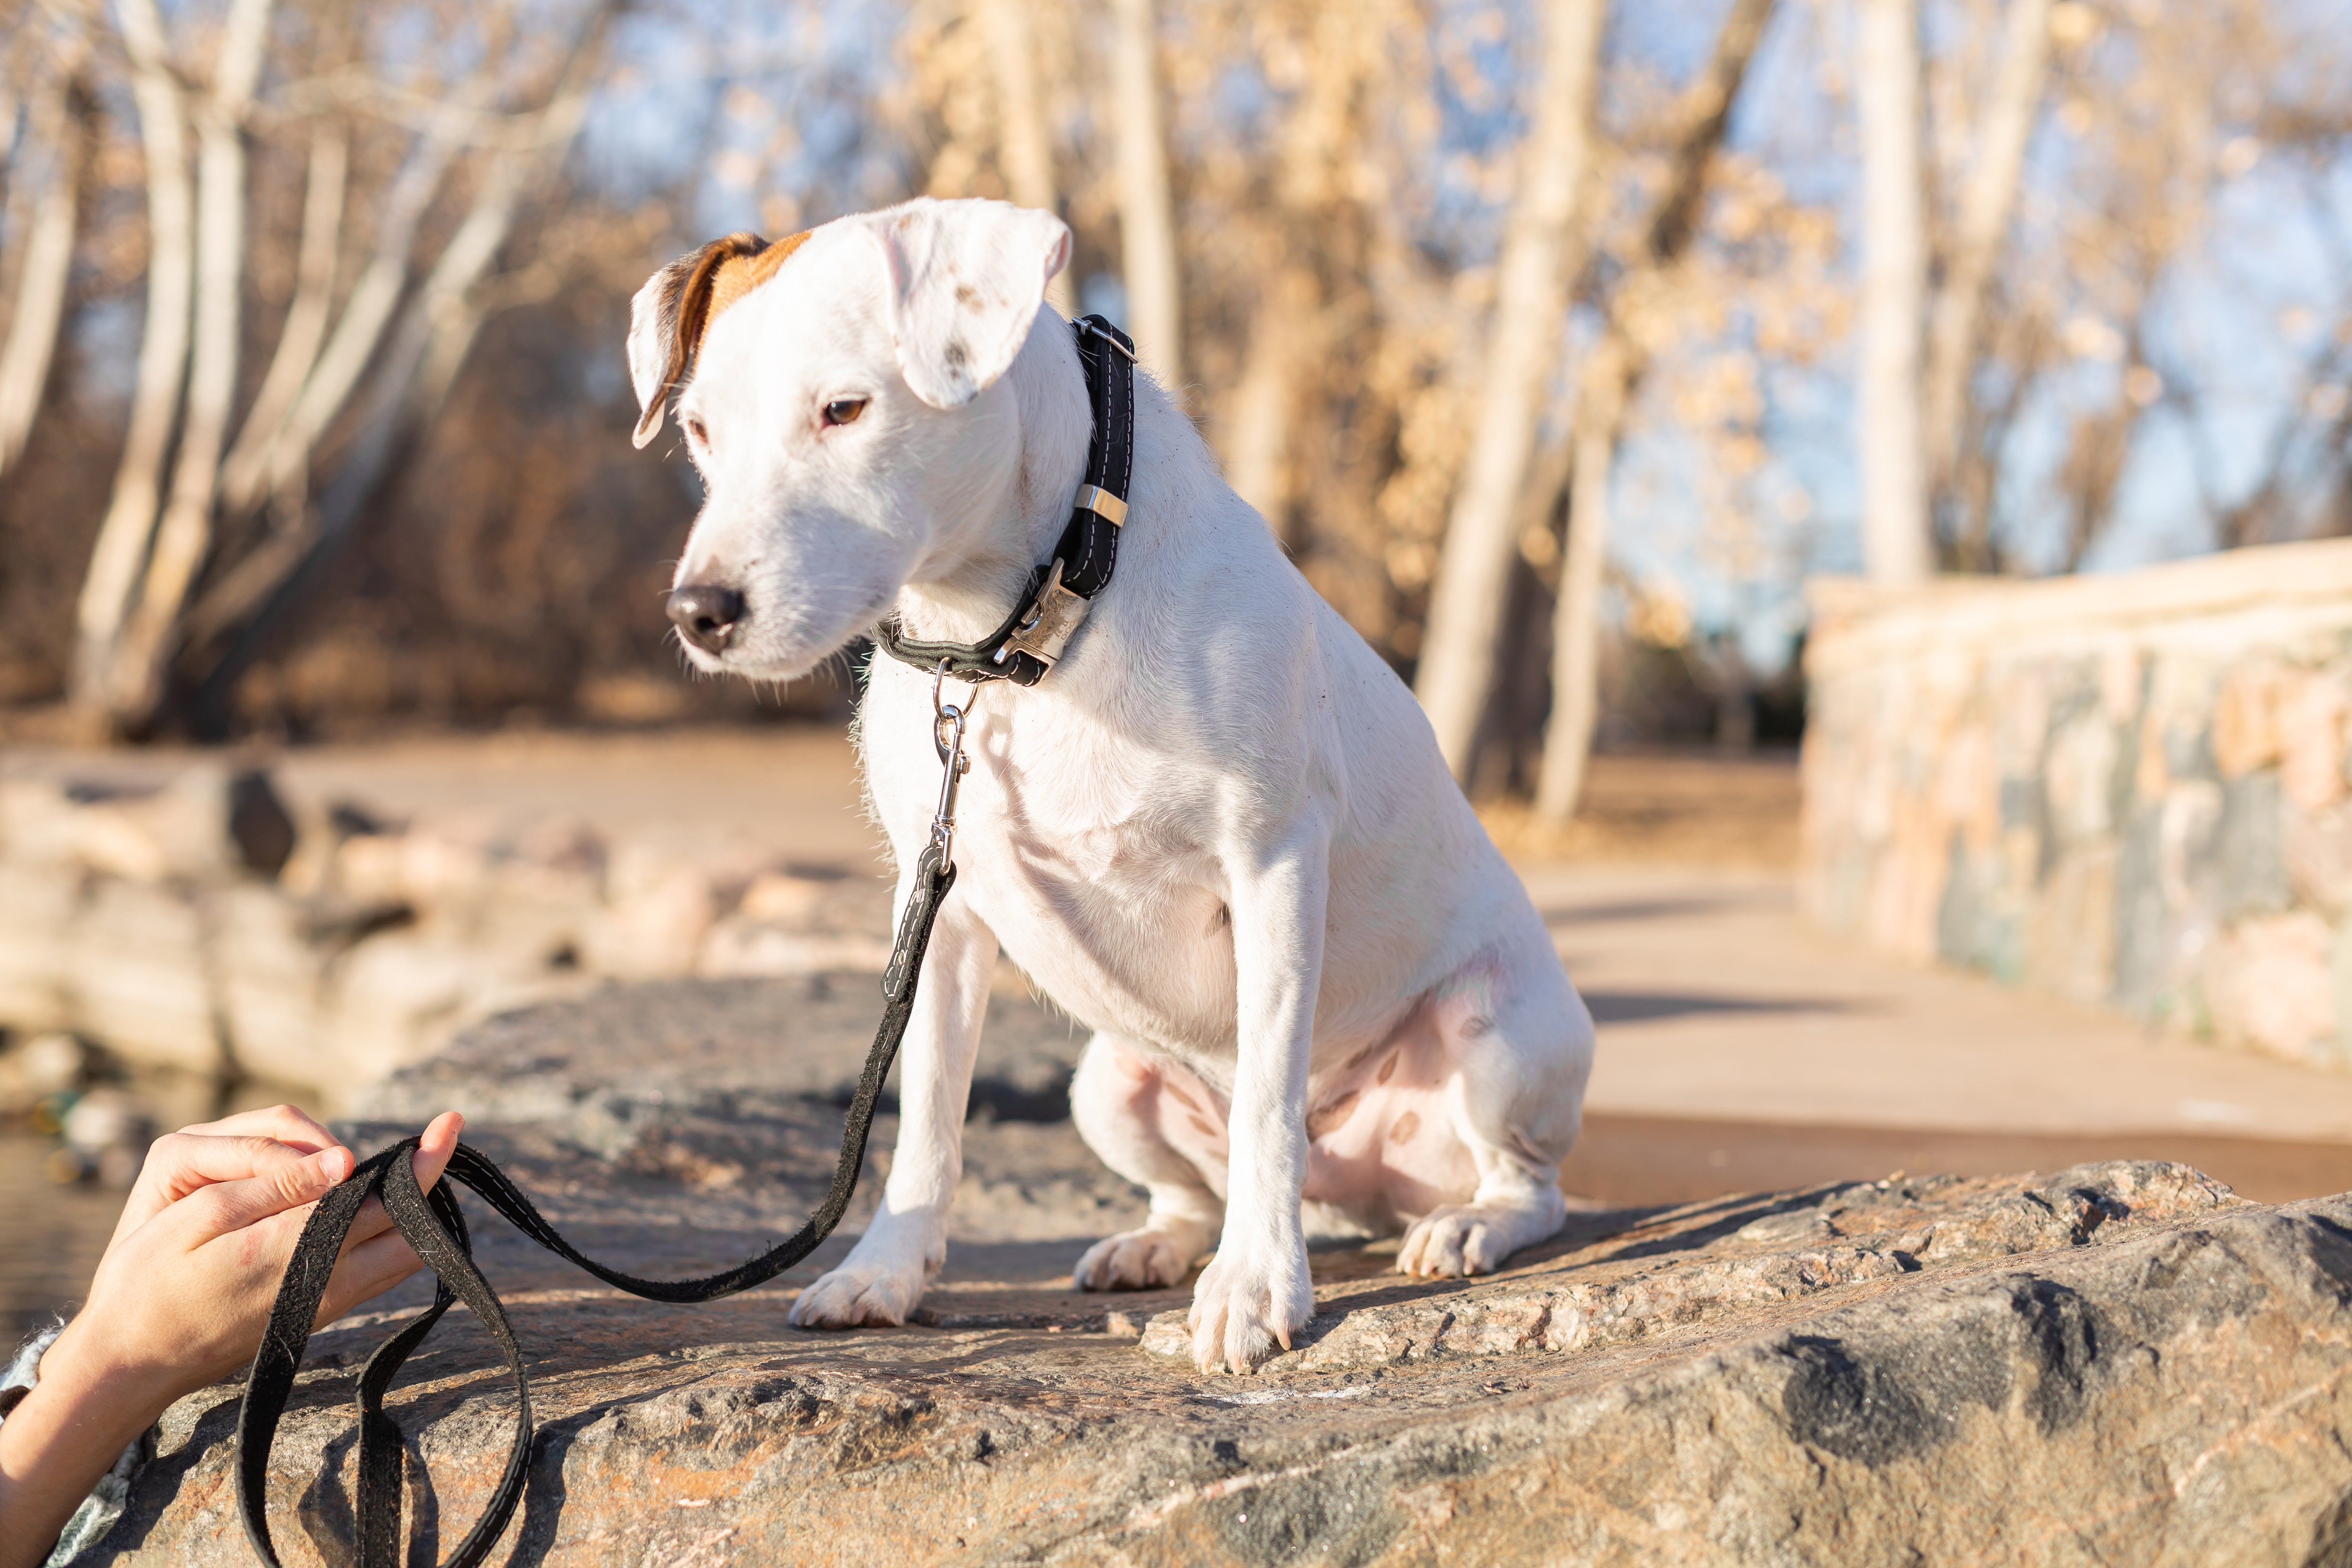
column 1146, row 1259
column 1459, row 1239
column 859, row 1294
column 1247, row 1302
column 878, row 1282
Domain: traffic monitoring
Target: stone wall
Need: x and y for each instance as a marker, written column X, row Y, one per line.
column 2126, row 789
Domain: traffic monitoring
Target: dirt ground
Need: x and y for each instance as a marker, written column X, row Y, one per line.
column 1677, row 808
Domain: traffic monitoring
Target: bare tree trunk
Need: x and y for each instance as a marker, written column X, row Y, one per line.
column 1734, row 688
column 1260, row 418
column 1988, row 202
column 1576, row 632
column 1026, row 143
column 306, row 315
column 1315, row 208
column 1606, row 389
column 123, row 537
column 420, row 365
column 1887, row 390
column 184, row 534
column 62, row 115
column 1465, row 612
column 1147, row 218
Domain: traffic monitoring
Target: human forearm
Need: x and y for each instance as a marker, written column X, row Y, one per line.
column 68, row 1431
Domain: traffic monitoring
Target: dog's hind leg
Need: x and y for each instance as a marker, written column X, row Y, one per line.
column 1521, row 1045
column 884, row 1275
column 1161, row 1128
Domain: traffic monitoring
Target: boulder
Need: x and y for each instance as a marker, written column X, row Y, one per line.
column 207, row 822
column 802, row 922
column 399, row 996
column 2117, row 1363
column 138, row 971
column 270, row 964
column 39, row 907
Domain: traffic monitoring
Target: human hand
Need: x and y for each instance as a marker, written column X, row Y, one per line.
column 181, row 1298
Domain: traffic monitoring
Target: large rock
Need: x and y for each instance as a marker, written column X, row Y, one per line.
column 2118, row 1362
column 196, row 923
column 39, row 904
column 209, row 821
column 137, row 969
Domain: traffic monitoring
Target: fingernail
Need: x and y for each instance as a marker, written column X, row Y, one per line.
column 335, row 1164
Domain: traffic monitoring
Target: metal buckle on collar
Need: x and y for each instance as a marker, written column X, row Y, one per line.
column 1086, row 327
column 1045, row 628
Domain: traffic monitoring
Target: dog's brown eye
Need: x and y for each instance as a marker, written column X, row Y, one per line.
column 842, row 410
column 696, row 429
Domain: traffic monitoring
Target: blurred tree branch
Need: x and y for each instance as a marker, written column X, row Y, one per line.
column 1987, row 204
column 184, row 533
column 420, row 365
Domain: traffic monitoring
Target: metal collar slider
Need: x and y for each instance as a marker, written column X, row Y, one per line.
column 1102, row 503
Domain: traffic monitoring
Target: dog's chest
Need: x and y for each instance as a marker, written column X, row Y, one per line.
column 1086, row 859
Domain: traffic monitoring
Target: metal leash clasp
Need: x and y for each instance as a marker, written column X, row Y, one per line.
column 948, row 722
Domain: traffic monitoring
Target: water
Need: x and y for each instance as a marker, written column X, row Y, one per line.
column 50, row 1237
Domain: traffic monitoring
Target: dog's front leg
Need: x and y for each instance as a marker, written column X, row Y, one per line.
column 884, row 1275
column 1256, row 1292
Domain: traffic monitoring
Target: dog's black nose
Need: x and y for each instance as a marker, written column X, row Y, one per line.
column 706, row 614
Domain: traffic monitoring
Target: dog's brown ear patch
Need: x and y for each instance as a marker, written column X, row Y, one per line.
column 737, row 275
column 672, row 314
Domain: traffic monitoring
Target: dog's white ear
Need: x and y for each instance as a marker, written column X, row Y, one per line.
column 966, row 279
column 671, row 314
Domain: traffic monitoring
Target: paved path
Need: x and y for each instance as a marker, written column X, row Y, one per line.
column 1740, row 1049
column 1715, row 1001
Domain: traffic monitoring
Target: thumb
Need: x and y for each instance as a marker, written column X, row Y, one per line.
column 226, row 1207
column 433, row 1149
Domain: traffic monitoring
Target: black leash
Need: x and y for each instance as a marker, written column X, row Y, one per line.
column 1059, row 592
column 1022, row 650
column 435, row 1227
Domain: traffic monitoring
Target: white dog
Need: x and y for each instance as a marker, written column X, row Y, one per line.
column 1219, row 833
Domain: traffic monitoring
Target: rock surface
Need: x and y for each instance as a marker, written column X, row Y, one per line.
column 2117, row 1363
